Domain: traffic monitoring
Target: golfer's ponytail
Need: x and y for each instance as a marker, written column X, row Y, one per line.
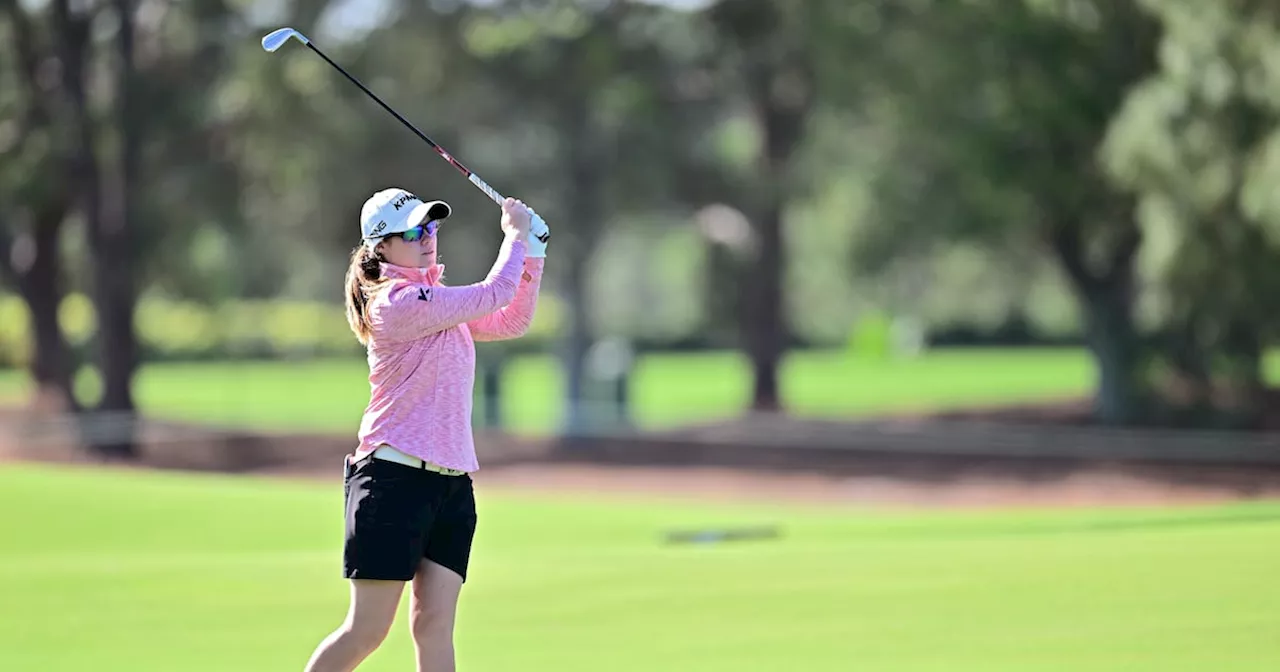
column 363, row 276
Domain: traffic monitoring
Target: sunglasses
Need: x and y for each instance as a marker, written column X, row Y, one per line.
column 425, row 230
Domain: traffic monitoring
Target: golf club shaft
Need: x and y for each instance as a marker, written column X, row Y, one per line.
column 471, row 177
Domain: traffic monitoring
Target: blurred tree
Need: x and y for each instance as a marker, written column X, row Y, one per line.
column 161, row 126
column 35, row 197
column 105, row 107
column 1197, row 141
column 106, row 222
column 112, row 231
column 188, row 109
column 603, row 85
column 313, row 147
column 999, row 109
column 767, row 52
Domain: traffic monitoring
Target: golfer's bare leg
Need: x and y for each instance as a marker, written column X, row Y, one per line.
column 432, row 609
column 373, row 610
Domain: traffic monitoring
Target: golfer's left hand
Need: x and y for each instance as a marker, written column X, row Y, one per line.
column 539, row 234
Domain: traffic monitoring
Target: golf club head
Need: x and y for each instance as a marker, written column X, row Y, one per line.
column 276, row 38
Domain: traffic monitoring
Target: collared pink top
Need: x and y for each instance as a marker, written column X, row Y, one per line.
column 422, row 353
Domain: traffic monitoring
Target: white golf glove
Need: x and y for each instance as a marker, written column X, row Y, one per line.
column 539, row 234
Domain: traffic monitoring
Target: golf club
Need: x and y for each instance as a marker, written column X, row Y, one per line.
column 277, row 38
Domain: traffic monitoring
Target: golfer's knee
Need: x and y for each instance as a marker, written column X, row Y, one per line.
column 365, row 635
column 432, row 624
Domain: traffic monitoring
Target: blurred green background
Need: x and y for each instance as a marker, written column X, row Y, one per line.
column 835, row 210
column 744, row 176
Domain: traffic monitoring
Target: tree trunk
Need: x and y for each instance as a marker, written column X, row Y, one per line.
column 115, row 290
column 1106, row 299
column 575, row 347
column 117, row 351
column 107, row 231
column 30, row 261
column 784, row 97
column 35, row 269
column 761, row 301
column 1117, row 350
column 584, row 200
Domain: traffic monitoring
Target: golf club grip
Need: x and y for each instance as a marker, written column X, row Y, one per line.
column 493, row 194
column 471, row 177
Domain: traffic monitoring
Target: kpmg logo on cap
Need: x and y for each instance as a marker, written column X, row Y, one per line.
column 407, row 197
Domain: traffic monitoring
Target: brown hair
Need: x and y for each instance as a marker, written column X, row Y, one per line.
column 364, row 276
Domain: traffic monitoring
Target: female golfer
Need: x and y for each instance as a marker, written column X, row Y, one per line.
column 410, row 508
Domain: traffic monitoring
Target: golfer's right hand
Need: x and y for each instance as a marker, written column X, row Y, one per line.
column 515, row 218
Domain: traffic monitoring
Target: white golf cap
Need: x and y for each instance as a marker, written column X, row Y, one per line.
column 394, row 211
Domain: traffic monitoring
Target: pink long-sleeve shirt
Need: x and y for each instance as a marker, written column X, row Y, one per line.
column 422, row 353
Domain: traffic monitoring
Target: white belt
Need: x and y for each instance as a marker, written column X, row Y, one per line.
column 390, row 454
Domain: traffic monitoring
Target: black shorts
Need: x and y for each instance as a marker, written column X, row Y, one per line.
column 397, row 515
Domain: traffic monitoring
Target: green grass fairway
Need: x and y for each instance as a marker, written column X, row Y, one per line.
column 134, row 571
column 668, row 389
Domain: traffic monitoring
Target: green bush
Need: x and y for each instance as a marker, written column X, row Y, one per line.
column 176, row 328
column 15, row 322
column 77, row 318
column 872, row 336
column 261, row 328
